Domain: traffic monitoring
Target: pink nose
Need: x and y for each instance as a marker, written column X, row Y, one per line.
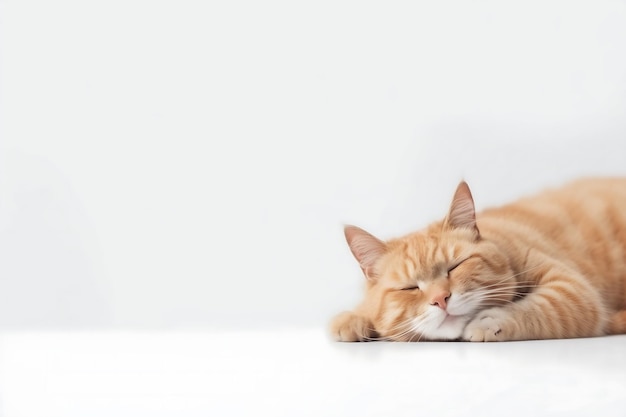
column 440, row 299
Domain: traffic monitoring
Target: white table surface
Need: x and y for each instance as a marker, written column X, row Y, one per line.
column 300, row 372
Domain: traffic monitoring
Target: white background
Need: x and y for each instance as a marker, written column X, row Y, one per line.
column 184, row 164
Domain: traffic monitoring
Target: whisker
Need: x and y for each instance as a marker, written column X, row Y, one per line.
column 507, row 290
column 402, row 335
column 508, row 277
column 516, row 284
column 401, row 330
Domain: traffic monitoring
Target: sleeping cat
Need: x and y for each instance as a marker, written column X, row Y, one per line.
column 545, row 267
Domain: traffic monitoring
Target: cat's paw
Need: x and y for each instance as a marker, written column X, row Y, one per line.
column 350, row 327
column 488, row 326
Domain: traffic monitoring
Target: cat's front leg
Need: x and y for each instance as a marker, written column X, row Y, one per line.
column 562, row 304
column 352, row 327
column 491, row 325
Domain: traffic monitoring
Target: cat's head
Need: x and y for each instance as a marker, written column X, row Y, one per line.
column 428, row 285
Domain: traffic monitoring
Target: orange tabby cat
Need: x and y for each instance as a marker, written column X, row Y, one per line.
column 550, row 266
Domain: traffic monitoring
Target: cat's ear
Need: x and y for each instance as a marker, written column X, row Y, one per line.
column 462, row 213
column 366, row 248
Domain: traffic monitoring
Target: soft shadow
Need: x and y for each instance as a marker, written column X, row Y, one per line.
column 49, row 257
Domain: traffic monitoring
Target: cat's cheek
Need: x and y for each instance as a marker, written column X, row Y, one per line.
column 492, row 325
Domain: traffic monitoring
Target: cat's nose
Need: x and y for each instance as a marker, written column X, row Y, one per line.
column 440, row 299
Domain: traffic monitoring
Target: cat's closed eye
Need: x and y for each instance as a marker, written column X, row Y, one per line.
column 455, row 266
column 413, row 287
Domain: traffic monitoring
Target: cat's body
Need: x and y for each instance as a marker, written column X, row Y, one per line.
column 549, row 266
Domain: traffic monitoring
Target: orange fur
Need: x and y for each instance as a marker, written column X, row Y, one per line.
column 549, row 266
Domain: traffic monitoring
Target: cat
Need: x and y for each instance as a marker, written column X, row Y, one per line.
column 546, row 267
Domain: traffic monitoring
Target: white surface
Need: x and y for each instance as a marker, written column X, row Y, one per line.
column 301, row 373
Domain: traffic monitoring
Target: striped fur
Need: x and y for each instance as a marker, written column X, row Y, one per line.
column 548, row 266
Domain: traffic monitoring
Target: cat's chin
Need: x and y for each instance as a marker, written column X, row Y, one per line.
column 450, row 328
